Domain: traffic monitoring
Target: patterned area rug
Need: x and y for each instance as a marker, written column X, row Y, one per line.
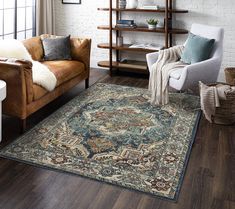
column 111, row 133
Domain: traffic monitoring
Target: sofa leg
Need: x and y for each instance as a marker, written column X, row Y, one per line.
column 87, row 83
column 22, row 125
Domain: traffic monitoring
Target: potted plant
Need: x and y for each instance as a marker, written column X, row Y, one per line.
column 152, row 23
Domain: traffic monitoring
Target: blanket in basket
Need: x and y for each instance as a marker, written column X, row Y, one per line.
column 211, row 96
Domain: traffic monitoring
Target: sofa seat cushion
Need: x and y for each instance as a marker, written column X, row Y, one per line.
column 176, row 74
column 38, row 92
column 65, row 70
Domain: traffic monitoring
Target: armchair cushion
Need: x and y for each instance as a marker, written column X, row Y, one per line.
column 197, row 49
column 176, row 74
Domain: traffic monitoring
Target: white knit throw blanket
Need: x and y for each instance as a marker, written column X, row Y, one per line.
column 168, row 61
column 14, row 49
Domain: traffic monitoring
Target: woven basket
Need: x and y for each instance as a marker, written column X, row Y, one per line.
column 230, row 75
column 225, row 114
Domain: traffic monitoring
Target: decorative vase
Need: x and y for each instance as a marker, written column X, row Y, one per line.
column 122, row 4
column 132, row 4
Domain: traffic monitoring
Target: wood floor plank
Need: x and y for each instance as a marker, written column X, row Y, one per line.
column 149, row 202
column 127, row 200
column 107, row 196
column 221, row 204
column 202, row 188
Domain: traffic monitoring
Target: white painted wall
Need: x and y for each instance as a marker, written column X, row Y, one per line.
column 82, row 20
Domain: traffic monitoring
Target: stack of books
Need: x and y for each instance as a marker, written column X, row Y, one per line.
column 126, row 24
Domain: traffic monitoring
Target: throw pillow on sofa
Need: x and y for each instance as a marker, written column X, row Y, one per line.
column 58, row 48
column 197, row 49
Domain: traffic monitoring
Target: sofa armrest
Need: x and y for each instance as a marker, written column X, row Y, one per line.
column 80, row 50
column 18, row 76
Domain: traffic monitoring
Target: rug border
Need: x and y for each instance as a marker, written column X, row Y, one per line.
column 178, row 189
column 193, row 137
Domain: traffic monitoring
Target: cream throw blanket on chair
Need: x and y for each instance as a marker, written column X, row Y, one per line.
column 15, row 49
column 168, row 61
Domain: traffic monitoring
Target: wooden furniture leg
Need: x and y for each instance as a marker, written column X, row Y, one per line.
column 87, row 83
column 23, row 125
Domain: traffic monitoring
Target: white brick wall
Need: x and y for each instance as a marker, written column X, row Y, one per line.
column 82, row 20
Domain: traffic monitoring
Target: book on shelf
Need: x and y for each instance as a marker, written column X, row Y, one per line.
column 126, row 26
column 147, row 46
column 150, row 7
column 126, row 22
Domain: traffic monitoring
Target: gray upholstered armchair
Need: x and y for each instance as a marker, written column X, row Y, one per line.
column 206, row 71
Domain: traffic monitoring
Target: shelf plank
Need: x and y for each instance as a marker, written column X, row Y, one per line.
column 125, row 47
column 145, row 10
column 142, row 66
column 145, row 29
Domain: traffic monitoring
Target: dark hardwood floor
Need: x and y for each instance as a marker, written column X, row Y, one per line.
column 208, row 184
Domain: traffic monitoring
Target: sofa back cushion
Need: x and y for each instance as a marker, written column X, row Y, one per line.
column 34, row 47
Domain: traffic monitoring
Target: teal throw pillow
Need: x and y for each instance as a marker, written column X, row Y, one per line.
column 197, row 49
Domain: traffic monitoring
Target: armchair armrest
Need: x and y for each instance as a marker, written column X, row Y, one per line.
column 207, row 64
column 205, row 71
column 151, row 59
column 18, row 76
column 80, row 50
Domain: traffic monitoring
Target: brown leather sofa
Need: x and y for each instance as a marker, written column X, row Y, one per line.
column 23, row 96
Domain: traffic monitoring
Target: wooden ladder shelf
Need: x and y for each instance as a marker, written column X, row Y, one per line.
column 136, row 66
